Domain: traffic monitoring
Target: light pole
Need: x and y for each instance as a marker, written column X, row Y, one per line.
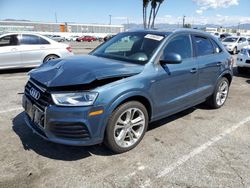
column 110, row 17
column 183, row 21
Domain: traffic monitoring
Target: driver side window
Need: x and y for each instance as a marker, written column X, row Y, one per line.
column 179, row 45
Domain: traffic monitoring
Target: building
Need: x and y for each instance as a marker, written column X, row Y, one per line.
column 20, row 26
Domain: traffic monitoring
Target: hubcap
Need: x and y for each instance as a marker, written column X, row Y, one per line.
column 221, row 95
column 129, row 127
column 51, row 57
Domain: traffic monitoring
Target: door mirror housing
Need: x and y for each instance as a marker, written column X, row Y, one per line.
column 171, row 58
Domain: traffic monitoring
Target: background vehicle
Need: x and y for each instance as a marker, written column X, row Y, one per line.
column 108, row 37
column 224, row 35
column 58, row 38
column 86, row 39
column 243, row 60
column 234, row 44
column 26, row 50
column 136, row 77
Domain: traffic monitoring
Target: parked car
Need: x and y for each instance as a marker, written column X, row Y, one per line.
column 234, row 44
column 28, row 50
column 86, row 39
column 224, row 35
column 108, row 37
column 243, row 60
column 135, row 78
column 58, row 38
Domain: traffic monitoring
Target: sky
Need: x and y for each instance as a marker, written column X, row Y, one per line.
column 223, row 12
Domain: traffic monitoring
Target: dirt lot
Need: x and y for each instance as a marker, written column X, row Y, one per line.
column 195, row 148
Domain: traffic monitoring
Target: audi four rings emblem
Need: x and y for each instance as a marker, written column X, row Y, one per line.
column 34, row 93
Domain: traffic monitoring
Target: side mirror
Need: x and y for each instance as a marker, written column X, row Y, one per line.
column 171, row 58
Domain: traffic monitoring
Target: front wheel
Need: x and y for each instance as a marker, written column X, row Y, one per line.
column 126, row 127
column 220, row 94
column 50, row 57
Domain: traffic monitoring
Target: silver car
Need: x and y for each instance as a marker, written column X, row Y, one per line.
column 234, row 44
column 29, row 50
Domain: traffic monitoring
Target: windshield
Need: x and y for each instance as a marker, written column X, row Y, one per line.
column 230, row 39
column 135, row 47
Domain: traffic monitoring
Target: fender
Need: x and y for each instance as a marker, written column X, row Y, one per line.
column 119, row 99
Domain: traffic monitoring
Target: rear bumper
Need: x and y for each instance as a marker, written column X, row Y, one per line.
column 69, row 126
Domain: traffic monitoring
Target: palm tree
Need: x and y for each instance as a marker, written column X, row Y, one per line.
column 159, row 2
column 145, row 6
column 155, row 6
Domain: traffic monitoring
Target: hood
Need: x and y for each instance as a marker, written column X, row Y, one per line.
column 78, row 70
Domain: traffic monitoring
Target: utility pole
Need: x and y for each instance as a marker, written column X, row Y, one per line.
column 56, row 17
column 183, row 21
column 110, row 16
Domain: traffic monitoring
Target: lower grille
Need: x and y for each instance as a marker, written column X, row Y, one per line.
column 70, row 131
column 248, row 61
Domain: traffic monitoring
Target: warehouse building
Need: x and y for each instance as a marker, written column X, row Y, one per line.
column 20, row 26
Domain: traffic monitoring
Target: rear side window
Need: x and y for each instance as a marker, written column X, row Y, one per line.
column 33, row 40
column 180, row 45
column 243, row 39
column 9, row 40
column 203, row 46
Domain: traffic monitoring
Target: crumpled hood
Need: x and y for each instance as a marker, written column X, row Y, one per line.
column 82, row 70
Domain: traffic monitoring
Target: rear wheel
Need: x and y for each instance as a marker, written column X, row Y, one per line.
column 50, row 57
column 126, row 127
column 220, row 94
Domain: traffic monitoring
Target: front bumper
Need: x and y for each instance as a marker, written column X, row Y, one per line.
column 65, row 125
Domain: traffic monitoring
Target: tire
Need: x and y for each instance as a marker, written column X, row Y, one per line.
column 50, row 57
column 121, row 133
column 241, row 70
column 234, row 51
column 220, row 94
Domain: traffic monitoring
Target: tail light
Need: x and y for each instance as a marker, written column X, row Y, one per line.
column 69, row 48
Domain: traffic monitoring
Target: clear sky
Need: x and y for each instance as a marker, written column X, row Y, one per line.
column 226, row 12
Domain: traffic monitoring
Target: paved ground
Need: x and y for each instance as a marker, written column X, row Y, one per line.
column 196, row 148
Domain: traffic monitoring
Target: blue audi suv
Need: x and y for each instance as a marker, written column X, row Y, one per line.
column 136, row 77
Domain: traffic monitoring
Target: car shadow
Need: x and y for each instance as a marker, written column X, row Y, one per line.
column 31, row 141
column 243, row 75
column 51, row 150
column 10, row 71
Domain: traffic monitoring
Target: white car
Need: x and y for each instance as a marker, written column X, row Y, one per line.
column 243, row 59
column 29, row 50
column 234, row 44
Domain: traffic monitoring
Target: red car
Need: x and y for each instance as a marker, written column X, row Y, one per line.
column 86, row 38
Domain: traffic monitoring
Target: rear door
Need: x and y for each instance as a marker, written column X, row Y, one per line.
column 33, row 49
column 9, row 51
column 210, row 58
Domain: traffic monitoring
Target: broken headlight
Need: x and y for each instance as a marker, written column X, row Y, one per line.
column 74, row 99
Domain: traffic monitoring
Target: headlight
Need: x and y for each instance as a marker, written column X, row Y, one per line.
column 74, row 99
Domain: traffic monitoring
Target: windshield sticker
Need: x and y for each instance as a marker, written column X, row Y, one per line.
column 154, row 37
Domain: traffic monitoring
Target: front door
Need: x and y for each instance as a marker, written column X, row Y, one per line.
column 175, row 85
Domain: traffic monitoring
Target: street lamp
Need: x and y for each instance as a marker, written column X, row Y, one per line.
column 110, row 16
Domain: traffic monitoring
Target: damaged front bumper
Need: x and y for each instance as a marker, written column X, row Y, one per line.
column 65, row 125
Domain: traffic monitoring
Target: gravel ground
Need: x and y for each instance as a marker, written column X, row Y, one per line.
column 198, row 147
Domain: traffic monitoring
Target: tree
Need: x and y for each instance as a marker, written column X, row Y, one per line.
column 145, row 6
column 155, row 6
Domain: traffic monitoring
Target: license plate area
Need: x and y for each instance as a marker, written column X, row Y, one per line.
column 35, row 114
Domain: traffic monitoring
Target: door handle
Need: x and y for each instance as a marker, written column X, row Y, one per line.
column 219, row 63
column 42, row 47
column 14, row 49
column 193, row 70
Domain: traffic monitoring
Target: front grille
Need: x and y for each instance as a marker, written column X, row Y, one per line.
column 74, row 131
column 248, row 61
column 44, row 99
